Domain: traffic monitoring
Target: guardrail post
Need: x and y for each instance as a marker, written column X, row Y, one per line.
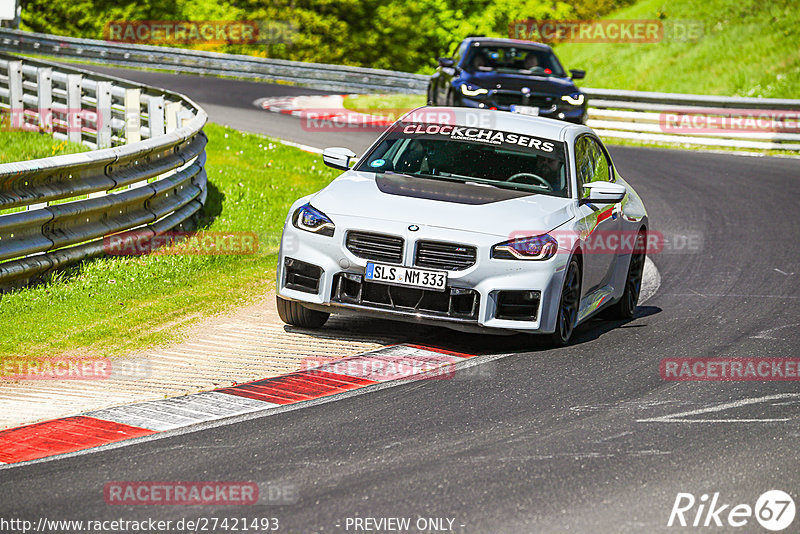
column 172, row 112
column 44, row 94
column 17, row 111
column 133, row 127
column 155, row 114
column 73, row 118
column 103, row 114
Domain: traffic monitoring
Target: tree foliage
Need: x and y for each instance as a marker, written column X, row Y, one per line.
column 405, row 35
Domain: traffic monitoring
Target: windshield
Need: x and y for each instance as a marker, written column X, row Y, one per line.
column 477, row 155
column 513, row 59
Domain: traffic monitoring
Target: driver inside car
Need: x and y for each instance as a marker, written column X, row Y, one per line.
column 549, row 169
column 531, row 61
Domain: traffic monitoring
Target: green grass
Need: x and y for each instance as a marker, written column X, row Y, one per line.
column 17, row 145
column 393, row 104
column 115, row 305
column 748, row 48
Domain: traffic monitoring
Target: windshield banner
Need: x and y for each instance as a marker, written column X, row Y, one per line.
column 486, row 136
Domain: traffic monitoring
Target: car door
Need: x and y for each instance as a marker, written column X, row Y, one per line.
column 600, row 224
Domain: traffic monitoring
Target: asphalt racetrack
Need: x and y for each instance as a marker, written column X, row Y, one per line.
column 587, row 438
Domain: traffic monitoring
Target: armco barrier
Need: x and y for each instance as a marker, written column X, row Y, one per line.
column 145, row 172
column 630, row 115
column 321, row 76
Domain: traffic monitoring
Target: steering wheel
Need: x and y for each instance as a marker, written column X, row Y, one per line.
column 542, row 182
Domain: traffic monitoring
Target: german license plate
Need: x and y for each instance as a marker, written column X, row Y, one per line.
column 525, row 110
column 406, row 276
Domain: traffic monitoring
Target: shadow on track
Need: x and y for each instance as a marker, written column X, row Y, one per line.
column 382, row 330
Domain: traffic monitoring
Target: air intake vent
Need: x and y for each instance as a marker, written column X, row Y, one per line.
column 377, row 247
column 302, row 276
column 447, row 256
column 518, row 305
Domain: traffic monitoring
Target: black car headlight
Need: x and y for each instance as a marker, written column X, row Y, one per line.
column 471, row 90
column 575, row 99
column 540, row 247
column 312, row 220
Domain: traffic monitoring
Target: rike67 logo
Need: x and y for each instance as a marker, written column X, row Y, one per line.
column 774, row 510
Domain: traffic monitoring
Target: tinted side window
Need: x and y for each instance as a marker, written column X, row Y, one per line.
column 583, row 163
column 601, row 165
column 591, row 162
column 459, row 53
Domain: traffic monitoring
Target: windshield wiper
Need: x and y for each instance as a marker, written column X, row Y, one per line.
column 469, row 179
column 500, row 185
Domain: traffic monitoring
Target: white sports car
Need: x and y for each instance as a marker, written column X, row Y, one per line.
column 476, row 220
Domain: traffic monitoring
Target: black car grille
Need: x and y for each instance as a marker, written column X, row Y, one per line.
column 454, row 303
column 447, row 256
column 506, row 99
column 377, row 247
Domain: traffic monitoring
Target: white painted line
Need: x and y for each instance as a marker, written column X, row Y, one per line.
column 304, row 148
column 678, row 417
column 176, row 412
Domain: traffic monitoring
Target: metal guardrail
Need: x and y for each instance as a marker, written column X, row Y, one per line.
column 318, row 75
column 648, row 116
column 146, row 172
column 633, row 115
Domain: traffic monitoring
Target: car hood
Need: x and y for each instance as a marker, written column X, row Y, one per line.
column 469, row 207
column 515, row 82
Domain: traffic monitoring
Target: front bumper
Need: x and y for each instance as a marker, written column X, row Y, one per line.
column 477, row 297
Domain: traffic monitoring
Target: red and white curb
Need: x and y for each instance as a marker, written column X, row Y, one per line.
column 321, row 109
column 113, row 425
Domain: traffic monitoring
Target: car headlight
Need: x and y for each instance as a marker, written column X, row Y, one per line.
column 575, row 99
column 477, row 91
column 312, row 220
column 540, row 247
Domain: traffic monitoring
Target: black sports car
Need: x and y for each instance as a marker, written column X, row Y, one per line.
column 510, row 75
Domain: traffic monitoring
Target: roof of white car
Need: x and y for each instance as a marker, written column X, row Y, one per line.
column 495, row 120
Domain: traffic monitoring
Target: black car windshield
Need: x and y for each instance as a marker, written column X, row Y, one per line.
column 465, row 154
column 513, row 59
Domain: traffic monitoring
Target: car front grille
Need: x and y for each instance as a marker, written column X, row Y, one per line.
column 456, row 303
column 506, row 99
column 446, row 256
column 376, row 247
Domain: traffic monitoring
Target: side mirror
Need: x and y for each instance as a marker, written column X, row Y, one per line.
column 338, row 157
column 446, row 61
column 604, row 192
column 577, row 74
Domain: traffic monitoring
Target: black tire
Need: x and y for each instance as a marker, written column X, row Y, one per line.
column 626, row 307
column 431, row 100
column 296, row 314
column 568, row 306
